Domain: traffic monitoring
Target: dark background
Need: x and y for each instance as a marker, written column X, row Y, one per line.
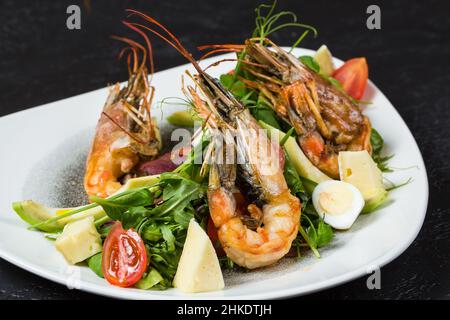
column 42, row 61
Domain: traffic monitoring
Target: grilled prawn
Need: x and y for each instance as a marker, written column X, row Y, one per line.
column 126, row 133
column 240, row 158
column 265, row 233
column 325, row 119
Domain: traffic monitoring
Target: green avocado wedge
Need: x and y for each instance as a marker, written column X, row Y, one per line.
column 34, row 213
column 301, row 163
column 377, row 200
column 41, row 216
column 181, row 118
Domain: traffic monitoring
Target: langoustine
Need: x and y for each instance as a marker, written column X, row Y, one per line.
column 325, row 119
column 252, row 167
column 125, row 134
column 265, row 234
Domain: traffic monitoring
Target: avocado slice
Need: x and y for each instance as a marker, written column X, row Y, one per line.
column 181, row 118
column 379, row 197
column 325, row 60
column 34, row 213
column 301, row 163
column 139, row 182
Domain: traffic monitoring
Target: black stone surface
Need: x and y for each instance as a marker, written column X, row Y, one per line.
column 42, row 61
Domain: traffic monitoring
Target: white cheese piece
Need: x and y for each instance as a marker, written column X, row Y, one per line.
column 198, row 269
column 359, row 169
column 79, row 240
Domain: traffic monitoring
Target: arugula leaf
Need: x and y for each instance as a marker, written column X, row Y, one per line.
column 321, row 235
column 377, row 141
column 183, row 217
column 324, row 234
column 315, row 237
column 396, row 186
column 168, row 237
column 309, row 185
column 227, row 80
column 95, row 264
column 309, row 242
column 248, row 99
column 310, row 63
column 377, row 146
column 238, row 88
column 311, row 231
column 133, row 217
column 165, row 262
column 317, row 234
column 185, row 193
column 151, row 231
column 266, row 114
column 169, row 191
column 115, row 207
column 293, row 180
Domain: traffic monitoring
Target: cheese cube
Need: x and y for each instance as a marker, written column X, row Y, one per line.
column 79, row 240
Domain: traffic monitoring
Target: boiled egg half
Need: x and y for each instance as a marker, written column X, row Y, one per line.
column 338, row 203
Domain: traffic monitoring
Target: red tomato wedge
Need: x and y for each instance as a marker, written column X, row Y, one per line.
column 353, row 76
column 124, row 258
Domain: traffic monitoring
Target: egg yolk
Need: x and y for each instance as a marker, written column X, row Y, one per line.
column 336, row 199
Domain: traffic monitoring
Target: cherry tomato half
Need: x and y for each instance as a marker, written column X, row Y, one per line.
column 353, row 76
column 124, row 258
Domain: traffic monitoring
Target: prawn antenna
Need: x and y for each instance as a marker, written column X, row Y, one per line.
column 137, row 72
column 164, row 34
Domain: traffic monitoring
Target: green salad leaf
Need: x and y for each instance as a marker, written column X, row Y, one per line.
column 377, row 146
column 294, row 182
column 237, row 88
column 310, row 63
column 318, row 234
column 116, row 207
column 324, row 234
column 262, row 112
column 95, row 264
column 161, row 216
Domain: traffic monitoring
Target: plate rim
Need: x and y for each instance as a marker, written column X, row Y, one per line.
column 110, row 291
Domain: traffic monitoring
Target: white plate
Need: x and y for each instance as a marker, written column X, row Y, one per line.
column 42, row 157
